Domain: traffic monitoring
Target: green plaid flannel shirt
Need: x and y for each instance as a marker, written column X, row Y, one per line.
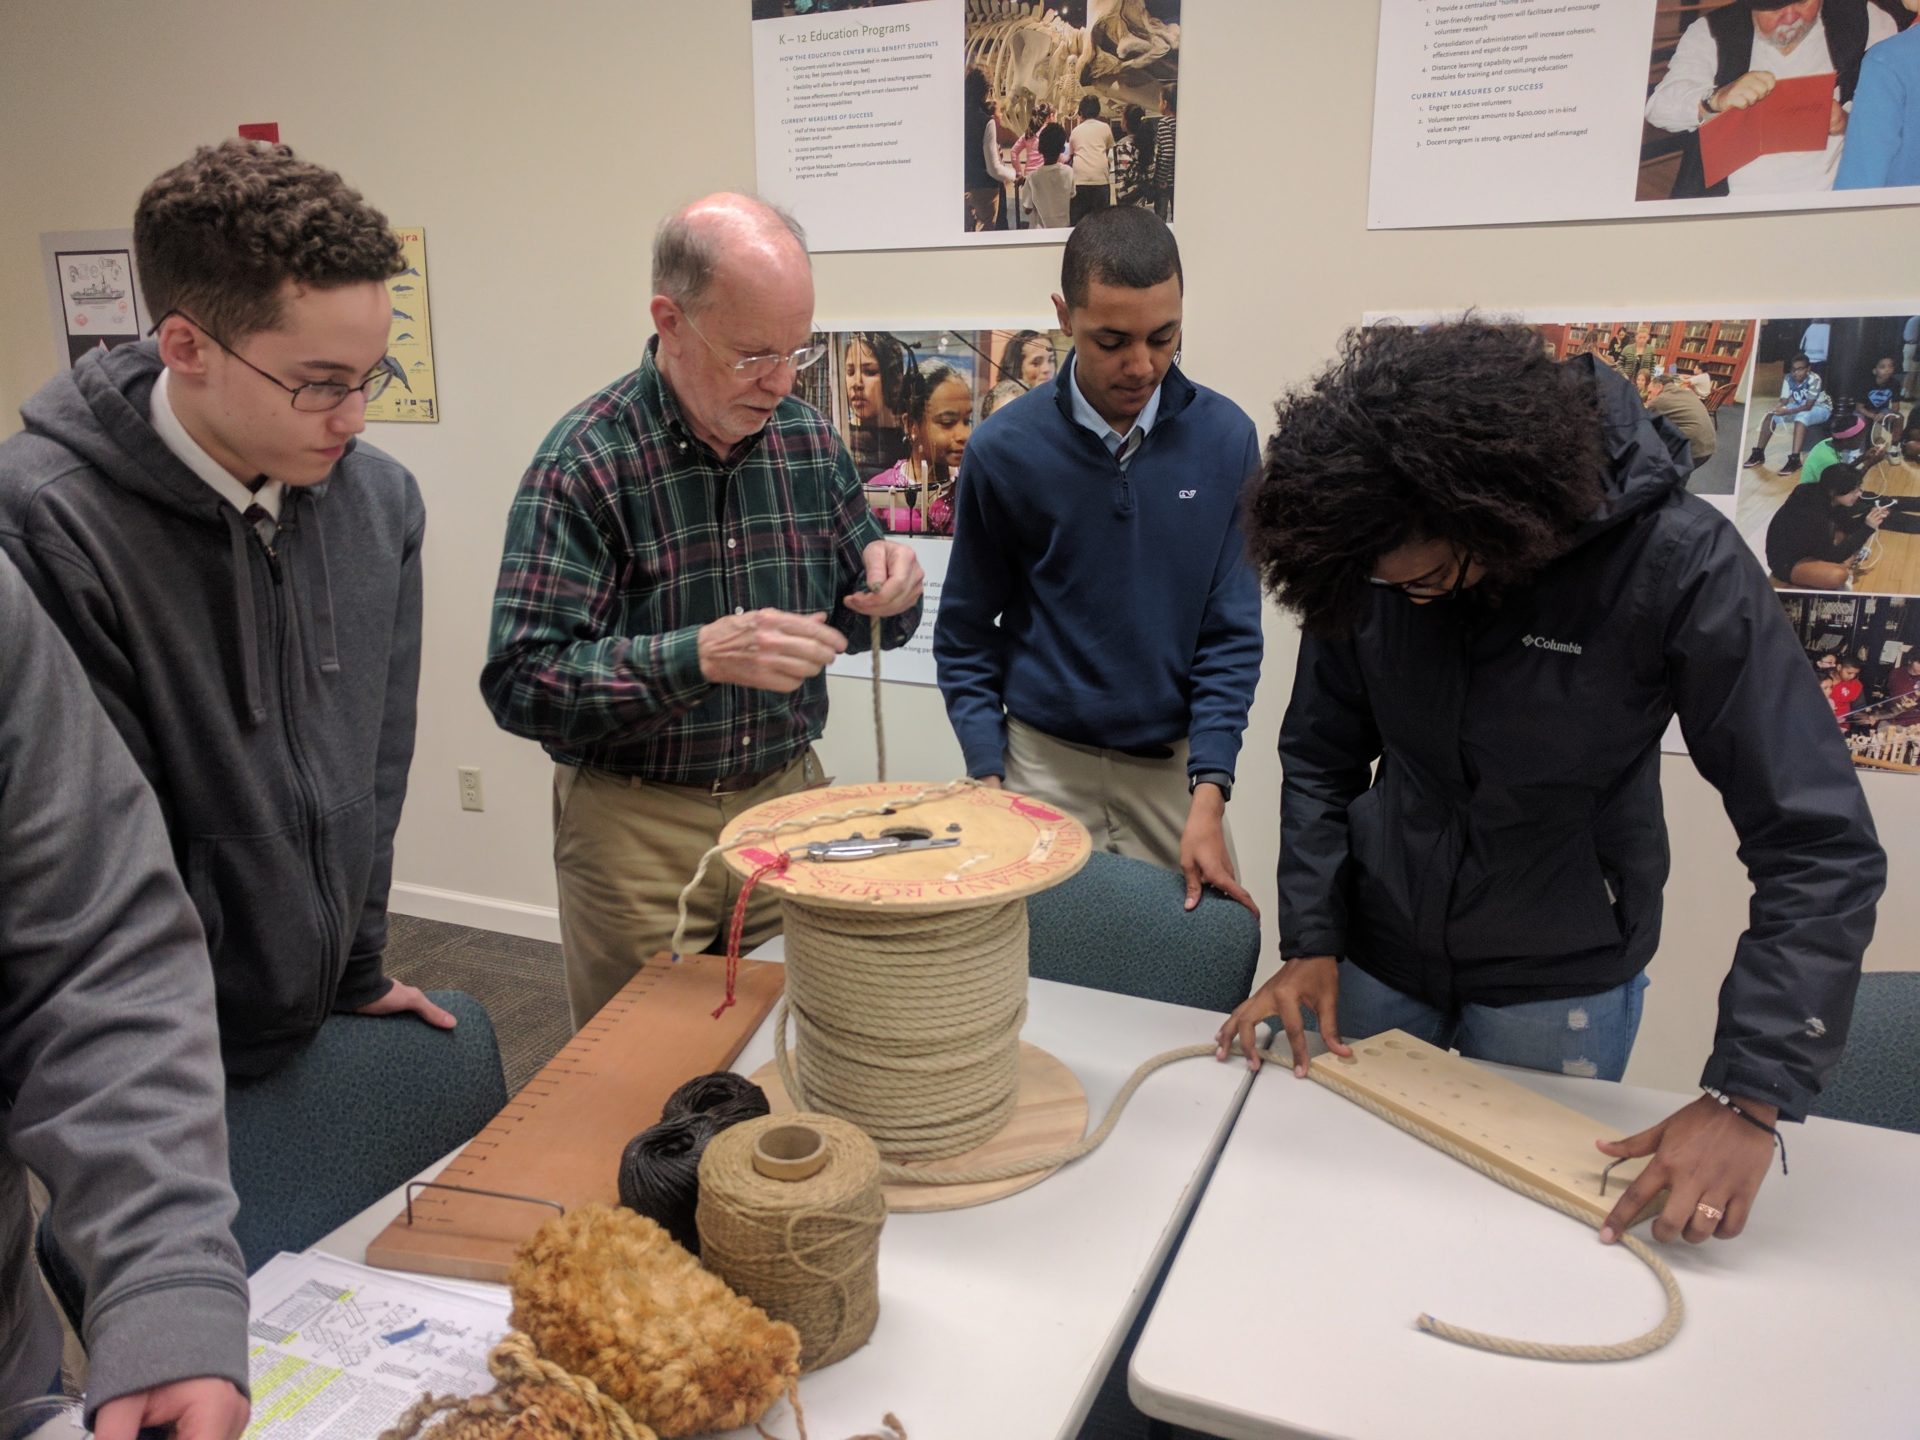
column 627, row 536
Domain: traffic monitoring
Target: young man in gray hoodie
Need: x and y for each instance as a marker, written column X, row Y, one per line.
column 109, row 1067
column 240, row 577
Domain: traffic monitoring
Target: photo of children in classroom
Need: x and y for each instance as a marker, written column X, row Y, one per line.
column 1865, row 653
column 1751, row 98
column 1829, row 491
column 906, row 401
column 1692, row 373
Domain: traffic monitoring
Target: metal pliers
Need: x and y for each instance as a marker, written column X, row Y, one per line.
column 858, row 847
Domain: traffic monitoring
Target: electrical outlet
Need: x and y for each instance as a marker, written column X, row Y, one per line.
column 470, row 796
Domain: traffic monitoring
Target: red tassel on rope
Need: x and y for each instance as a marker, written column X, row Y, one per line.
column 777, row 865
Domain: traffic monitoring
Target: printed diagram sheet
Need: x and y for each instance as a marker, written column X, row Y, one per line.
column 339, row 1351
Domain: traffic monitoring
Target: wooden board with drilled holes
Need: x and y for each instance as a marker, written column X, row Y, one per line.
column 1050, row 1114
column 1523, row 1134
column 560, row 1139
column 1010, row 847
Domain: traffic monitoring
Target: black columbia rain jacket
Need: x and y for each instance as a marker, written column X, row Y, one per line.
column 1511, row 845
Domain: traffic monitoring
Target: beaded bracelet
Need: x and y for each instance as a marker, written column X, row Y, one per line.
column 1754, row 1121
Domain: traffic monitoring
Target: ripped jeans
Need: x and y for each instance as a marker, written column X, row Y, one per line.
column 1585, row 1035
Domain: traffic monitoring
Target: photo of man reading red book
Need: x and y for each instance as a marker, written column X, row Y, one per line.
column 1751, row 98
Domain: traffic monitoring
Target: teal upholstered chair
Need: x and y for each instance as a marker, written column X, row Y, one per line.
column 368, row 1105
column 1118, row 925
column 1877, row 1081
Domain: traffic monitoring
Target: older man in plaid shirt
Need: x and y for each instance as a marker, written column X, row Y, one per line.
column 687, row 552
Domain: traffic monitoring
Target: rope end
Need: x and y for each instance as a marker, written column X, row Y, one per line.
column 724, row 1006
column 1426, row 1323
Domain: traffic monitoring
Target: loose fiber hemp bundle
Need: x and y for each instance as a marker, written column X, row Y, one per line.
column 607, row 1295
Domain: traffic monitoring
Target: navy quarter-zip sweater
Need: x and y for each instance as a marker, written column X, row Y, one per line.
column 1102, row 606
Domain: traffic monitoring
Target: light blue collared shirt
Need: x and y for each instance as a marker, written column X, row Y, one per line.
column 1093, row 420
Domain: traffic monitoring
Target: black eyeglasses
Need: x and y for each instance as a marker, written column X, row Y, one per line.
column 314, row 397
column 1426, row 590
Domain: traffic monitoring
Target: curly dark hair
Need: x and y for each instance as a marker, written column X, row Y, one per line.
column 218, row 236
column 1465, row 431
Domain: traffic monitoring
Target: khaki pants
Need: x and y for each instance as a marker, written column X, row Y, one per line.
column 1130, row 805
column 623, row 848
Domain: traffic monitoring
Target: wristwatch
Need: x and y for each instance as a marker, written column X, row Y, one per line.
column 1211, row 777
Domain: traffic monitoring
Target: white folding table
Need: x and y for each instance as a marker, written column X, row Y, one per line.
column 1289, row 1310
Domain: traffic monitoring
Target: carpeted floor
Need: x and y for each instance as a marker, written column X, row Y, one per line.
column 524, row 989
column 519, row 981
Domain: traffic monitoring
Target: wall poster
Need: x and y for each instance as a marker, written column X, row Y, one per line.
column 905, row 402
column 1804, row 431
column 94, row 297
column 909, row 124
column 1494, row 112
column 411, row 396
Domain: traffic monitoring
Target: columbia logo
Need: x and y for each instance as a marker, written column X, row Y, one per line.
column 1540, row 642
column 1188, row 494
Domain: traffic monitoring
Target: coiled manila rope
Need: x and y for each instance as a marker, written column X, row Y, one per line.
column 535, row 1399
column 909, row 1022
column 1643, row 1344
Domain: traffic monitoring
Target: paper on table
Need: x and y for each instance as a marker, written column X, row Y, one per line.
column 338, row 1351
column 1795, row 115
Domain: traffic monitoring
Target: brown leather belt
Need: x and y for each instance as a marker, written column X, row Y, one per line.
column 736, row 784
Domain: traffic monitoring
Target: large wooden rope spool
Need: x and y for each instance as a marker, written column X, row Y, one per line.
column 906, row 976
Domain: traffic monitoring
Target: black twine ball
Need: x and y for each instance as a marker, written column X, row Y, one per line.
column 660, row 1168
column 728, row 1097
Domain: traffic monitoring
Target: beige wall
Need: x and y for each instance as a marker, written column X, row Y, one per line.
column 540, row 144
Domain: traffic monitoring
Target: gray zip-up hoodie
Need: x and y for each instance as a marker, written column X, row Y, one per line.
column 268, row 693
column 110, row 1081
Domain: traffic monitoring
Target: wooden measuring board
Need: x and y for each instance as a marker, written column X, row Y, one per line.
column 560, row 1139
column 1526, row 1135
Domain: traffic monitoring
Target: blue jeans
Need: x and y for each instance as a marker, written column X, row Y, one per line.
column 1586, row 1035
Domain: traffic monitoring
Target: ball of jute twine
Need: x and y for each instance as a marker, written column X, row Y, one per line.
column 806, row 1251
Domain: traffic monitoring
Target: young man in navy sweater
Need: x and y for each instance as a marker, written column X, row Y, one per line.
column 1099, row 633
